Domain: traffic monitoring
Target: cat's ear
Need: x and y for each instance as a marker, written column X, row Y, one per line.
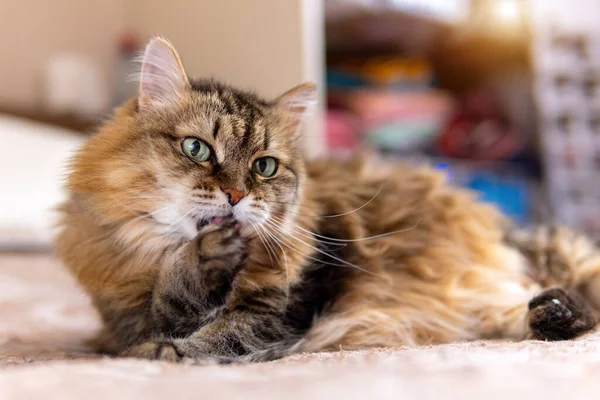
column 300, row 100
column 162, row 77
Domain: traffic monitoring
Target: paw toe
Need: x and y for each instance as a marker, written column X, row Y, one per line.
column 556, row 315
column 154, row 351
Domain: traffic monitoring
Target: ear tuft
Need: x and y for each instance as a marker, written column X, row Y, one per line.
column 299, row 100
column 162, row 77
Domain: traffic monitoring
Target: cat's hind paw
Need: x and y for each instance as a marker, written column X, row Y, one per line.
column 557, row 315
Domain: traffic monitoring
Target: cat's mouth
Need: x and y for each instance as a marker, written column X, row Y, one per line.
column 213, row 221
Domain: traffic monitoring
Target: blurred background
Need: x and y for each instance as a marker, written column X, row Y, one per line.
column 502, row 95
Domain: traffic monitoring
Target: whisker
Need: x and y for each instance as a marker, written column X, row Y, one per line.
column 262, row 241
column 321, row 261
column 358, row 209
column 266, row 240
column 326, row 216
column 346, row 263
column 287, row 273
column 174, row 224
column 310, row 236
column 146, row 196
column 296, row 213
column 354, row 240
column 149, row 215
column 205, row 203
column 289, row 203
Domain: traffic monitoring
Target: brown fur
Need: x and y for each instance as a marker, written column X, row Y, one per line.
column 411, row 259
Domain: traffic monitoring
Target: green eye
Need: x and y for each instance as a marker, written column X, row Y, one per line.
column 195, row 149
column 266, row 166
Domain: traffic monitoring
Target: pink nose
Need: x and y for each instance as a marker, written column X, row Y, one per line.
column 234, row 196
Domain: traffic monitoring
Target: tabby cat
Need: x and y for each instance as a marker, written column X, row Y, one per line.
column 201, row 234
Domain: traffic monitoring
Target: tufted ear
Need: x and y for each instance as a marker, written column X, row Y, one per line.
column 162, row 77
column 299, row 100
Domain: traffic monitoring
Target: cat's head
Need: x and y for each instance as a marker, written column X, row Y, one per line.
column 187, row 151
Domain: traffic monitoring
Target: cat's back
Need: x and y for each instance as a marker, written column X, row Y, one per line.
column 405, row 208
column 415, row 240
column 386, row 190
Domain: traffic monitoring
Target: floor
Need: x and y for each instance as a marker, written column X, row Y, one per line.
column 44, row 321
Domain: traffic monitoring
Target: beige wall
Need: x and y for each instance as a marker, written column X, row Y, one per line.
column 249, row 43
column 33, row 30
column 254, row 44
column 266, row 45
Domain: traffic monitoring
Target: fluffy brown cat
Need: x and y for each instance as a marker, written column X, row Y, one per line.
column 201, row 233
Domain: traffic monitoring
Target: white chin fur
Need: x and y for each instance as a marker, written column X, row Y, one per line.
column 189, row 229
column 246, row 214
column 173, row 222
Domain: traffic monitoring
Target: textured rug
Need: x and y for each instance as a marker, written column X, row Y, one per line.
column 44, row 319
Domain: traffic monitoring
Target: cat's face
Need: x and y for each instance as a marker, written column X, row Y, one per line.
column 190, row 152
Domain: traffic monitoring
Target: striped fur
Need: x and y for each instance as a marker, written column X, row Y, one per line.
column 324, row 254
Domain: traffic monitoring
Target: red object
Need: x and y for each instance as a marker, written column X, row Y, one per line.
column 341, row 132
column 128, row 43
column 478, row 132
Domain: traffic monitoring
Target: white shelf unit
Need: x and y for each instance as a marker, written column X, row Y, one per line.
column 566, row 62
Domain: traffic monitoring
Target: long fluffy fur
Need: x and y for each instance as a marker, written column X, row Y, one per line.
column 339, row 253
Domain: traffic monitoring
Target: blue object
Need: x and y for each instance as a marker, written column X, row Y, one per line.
column 338, row 79
column 510, row 195
column 445, row 168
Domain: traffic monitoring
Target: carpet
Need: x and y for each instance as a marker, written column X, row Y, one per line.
column 45, row 319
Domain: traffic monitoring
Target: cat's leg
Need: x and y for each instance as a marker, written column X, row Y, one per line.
column 568, row 264
column 251, row 329
column 194, row 285
column 552, row 314
column 549, row 314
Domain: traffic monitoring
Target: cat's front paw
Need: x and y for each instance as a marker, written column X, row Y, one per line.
column 167, row 351
column 222, row 242
column 163, row 351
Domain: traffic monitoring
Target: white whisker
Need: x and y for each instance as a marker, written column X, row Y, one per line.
column 359, row 239
column 173, row 226
column 287, row 274
column 332, row 215
column 311, row 236
column 346, row 263
column 358, row 209
column 260, row 236
column 149, row 215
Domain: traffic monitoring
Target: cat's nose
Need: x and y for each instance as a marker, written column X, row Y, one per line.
column 234, row 195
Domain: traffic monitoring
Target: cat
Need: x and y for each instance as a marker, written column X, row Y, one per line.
column 202, row 234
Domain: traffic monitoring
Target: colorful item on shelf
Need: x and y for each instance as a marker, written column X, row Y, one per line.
column 374, row 107
column 509, row 187
column 400, row 121
column 341, row 133
column 478, row 132
column 382, row 72
column 346, row 80
column 403, row 135
column 398, row 72
column 509, row 195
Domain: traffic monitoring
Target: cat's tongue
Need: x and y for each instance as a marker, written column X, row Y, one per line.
column 217, row 220
column 213, row 221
